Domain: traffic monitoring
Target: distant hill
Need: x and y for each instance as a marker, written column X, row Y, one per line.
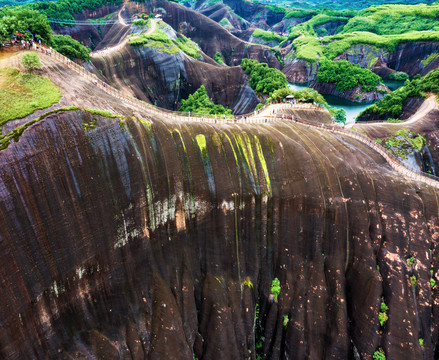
column 19, row 2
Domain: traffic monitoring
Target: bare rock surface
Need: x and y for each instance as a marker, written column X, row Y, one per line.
column 158, row 240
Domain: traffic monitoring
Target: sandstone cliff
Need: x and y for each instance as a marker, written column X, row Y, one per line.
column 154, row 239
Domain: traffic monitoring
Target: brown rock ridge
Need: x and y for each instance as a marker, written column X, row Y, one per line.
column 157, row 240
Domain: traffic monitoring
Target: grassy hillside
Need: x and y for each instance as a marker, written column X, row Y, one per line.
column 22, row 94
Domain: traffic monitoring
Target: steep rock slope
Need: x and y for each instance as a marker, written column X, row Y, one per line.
column 157, row 240
column 166, row 79
column 211, row 36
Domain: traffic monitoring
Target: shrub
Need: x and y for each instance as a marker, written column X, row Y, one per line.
column 70, row 47
column 340, row 116
column 382, row 315
column 411, row 261
column 31, row 62
column 285, row 321
column 413, row 281
column 199, row 103
column 399, row 76
column 218, row 58
column 379, row 354
column 275, row 288
column 421, row 342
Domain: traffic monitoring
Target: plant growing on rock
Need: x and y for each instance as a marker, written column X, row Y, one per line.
column 275, row 288
column 31, row 62
column 413, row 280
column 199, row 103
column 379, row 354
column 263, row 79
column 382, row 315
column 399, row 76
column 218, row 58
column 411, row 261
column 347, row 76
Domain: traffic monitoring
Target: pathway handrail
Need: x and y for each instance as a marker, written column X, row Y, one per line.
column 256, row 117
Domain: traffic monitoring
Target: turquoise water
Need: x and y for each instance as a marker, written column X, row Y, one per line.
column 352, row 109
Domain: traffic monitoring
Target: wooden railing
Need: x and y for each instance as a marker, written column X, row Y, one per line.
column 267, row 114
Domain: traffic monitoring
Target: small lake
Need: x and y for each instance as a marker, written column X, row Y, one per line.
column 352, row 109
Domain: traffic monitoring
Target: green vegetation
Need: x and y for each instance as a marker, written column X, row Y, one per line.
column 226, row 23
column 432, row 283
column 340, row 116
column 393, row 120
column 382, row 315
column 70, row 47
column 15, row 134
column 275, row 288
column 25, row 21
column 89, row 125
column 399, row 76
column 31, row 62
column 263, row 79
column 248, row 283
column 312, row 49
column 285, row 321
column 218, row 58
column 395, row 19
column 429, row 59
column 306, row 95
column 276, row 9
column 410, row 261
column 346, row 76
column 379, row 354
column 392, row 104
column 160, row 41
column 268, row 36
column 104, row 113
column 413, row 281
column 421, row 342
column 34, row 23
column 23, row 94
column 403, row 143
column 199, row 103
column 64, row 9
column 308, row 28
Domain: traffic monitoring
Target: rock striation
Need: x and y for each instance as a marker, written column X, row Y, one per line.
column 160, row 240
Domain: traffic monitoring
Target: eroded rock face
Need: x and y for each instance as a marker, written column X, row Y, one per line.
column 157, row 241
column 354, row 95
column 165, row 79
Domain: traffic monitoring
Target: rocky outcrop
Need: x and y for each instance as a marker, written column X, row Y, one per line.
column 410, row 106
column 93, row 36
column 409, row 57
column 165, row 79
column 219, row 12
column 355, row 95
column 210, row 36
column 161, row 241
column 299, row 71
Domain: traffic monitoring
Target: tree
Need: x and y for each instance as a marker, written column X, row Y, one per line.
column 199, row 103
column 70, row 47
column 340, row 116
column 31, row 62
column 28, row 22
column 263, row 79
